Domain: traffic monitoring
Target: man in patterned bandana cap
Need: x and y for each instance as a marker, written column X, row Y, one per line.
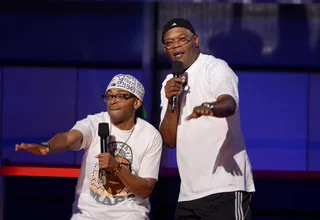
column 132, row 161
column 130, row 84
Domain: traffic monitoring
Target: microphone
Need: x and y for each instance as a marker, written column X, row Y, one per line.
column 176, row 70
column 103, row 132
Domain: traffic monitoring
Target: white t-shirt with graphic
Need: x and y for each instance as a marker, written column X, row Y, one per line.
column 211, row 152
column 139, row 149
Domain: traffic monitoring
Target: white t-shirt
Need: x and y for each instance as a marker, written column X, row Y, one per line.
column 211, row 152
column 140, row 148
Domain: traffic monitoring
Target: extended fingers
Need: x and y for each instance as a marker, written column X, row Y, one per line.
column 44, row 150
column 202, row 110
column 192, row 115
column 33, row 148
column 22, row 146
column 199, row 111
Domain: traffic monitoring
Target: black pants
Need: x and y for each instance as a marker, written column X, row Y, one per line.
column 221, row 206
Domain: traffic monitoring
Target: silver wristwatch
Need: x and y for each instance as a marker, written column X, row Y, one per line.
column 208, row 105
column 47, row 145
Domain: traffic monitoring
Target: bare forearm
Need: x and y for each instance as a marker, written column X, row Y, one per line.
column 135, row 184
column 168, row 128
column 62, row 142
column 224, row 107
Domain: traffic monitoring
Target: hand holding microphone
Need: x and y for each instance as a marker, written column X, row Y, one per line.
column 106, row 161
column 174, row 85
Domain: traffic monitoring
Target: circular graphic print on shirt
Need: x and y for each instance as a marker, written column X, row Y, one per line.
column 123, row 155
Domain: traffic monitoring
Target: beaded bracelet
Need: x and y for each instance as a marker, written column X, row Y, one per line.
column 116, row 171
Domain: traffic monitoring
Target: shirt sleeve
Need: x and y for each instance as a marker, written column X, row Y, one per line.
column 164, row 100
column 86, row 128
column 150, row 164
column 223, row 80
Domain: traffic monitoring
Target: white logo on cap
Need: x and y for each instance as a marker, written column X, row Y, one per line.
column 128, row 83
column 174, row 24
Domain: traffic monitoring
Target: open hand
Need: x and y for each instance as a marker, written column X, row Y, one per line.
column 37, row 149
column 199, row 111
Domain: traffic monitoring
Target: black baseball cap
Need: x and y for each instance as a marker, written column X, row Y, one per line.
column 177, row 22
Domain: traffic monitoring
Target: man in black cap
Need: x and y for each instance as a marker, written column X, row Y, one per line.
column 215, row 171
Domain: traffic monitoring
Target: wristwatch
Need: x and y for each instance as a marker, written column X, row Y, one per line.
column 47, row 145
column 209, row 106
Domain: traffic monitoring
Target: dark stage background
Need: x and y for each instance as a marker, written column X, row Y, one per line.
column 56, row 58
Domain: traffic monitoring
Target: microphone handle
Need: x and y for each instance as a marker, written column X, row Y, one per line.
column 104, row 144
column 104, row 177
column 104, row 149
column 174, row 98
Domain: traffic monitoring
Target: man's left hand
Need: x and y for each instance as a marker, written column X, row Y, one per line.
column 199, row 111
column 107, row 162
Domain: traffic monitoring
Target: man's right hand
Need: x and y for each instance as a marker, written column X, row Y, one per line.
column 173, row 87
column 37, row 149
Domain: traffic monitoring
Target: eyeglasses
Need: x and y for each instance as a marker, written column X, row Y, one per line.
column 118, row 97
column 169, row 44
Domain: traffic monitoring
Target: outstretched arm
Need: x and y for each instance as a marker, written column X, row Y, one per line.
column 225, row 106
column 58, row 143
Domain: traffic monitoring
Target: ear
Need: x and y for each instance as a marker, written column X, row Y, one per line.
column 197, row 40
column 137, row 104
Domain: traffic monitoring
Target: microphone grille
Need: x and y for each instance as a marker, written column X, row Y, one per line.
column 103, row 130
column 177, row 68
